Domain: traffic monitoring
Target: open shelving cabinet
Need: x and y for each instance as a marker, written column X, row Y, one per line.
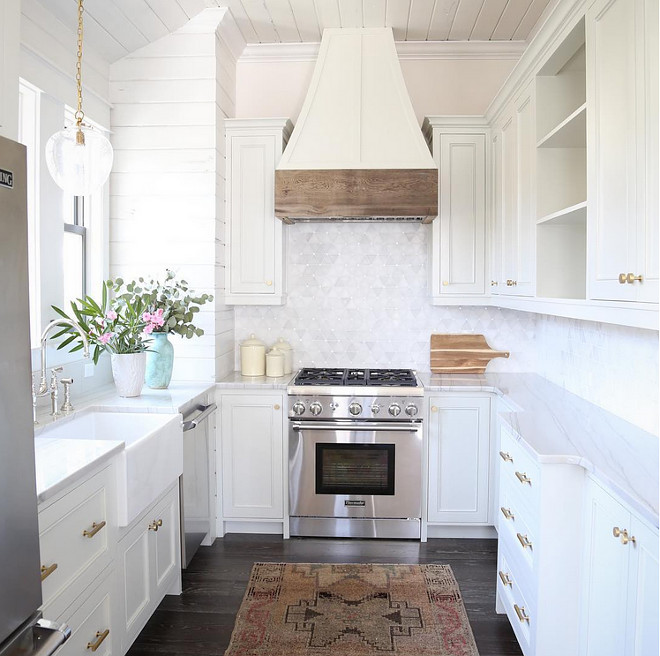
column 561, row 168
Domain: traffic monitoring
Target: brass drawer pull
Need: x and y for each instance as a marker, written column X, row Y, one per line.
column 100, row 637
column 623, row 534
column 520, row 612
column 507, row 513
column 47, row 571
column 505, row 579
column 155, row 525
column 524, row 540
column 523, row 478
column 505, row 456
column 94, row 530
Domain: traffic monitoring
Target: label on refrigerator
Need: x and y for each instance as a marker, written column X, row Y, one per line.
column 6, row 179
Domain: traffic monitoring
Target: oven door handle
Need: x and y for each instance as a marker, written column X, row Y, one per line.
column 353, row 426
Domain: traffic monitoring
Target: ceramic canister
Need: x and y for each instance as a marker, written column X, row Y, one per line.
column 253, row 357
column 274, row 363
column 287, row 349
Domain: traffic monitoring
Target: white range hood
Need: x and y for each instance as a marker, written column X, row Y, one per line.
column 357, row 152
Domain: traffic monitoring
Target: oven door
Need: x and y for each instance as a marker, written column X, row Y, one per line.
column 355, row 469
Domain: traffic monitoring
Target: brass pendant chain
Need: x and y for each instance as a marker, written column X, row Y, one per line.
column 79, row 115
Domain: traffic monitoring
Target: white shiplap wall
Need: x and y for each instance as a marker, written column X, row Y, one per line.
column 170, row 99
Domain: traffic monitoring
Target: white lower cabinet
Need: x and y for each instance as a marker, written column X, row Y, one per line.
column 252, row 453
column 459, row 457
column 619, row 612
column 149, row 564
column 539, row 528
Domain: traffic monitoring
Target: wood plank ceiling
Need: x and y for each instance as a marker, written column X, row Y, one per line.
column 117, row 27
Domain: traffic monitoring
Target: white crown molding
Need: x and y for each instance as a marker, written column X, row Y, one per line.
column 305, row 52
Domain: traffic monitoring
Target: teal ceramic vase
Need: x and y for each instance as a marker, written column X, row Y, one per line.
column 160, row 359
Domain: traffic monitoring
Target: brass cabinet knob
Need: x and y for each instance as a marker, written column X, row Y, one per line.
column 276, row 406
column 520, row 612
column 507, row 513
column 269, row 282
column 445, row 283
column 100, row 637
column 511, row 283
column 155, row 525
column 523, row 478
column 505, row 579
column 434, row 408
column 94, row 530
column 493, row 283
column 47, row 571
column 631, row 278
column 623, row 534
column 505, row 456
column 524, row 540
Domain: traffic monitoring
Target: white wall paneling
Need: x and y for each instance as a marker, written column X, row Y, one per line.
column 170, row 100
column 10, row 16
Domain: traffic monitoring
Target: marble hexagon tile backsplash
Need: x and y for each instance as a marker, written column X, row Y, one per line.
column 358, row 296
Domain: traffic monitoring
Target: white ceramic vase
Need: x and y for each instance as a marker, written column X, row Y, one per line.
column 128, row 372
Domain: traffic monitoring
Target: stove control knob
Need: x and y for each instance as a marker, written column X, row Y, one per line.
column 395, row 409
column 315, row 408
column 298, row 408
column 355, row 408
column 411, row 410
column 375, row 409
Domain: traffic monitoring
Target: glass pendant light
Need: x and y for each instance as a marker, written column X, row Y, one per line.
column 79, row 158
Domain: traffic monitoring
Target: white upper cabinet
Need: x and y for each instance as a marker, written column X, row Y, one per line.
column 622, row 149
column 458, row 246
column 255, row 237
column 514, row 199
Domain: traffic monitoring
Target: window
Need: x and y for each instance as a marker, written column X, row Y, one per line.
column 67, row 237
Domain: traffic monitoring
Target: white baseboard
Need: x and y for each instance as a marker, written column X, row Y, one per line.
column 453, row 531
column 269, row 528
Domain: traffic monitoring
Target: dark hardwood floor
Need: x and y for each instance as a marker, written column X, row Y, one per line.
column 200, row 621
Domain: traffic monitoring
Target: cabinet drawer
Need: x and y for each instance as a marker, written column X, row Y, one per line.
column 519, row 469
column 520, row 613
column 74, row 536
column 520, row 541
column 91, row 632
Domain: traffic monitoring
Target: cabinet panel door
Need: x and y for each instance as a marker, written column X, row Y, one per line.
column 462, row 220
column 526, row 197
column 643, row 611
column 611, row 147
column 459, row 437
column 496, row 272
column 605, row 577
column 136, row 585
column 648, row 233
column 166, row 543
column 252, row 456
column 509, row 235
column 252, row 215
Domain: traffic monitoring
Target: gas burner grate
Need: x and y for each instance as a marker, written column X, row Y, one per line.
column 357, row 377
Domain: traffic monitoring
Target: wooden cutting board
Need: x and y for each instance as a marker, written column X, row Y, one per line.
column 461, row 354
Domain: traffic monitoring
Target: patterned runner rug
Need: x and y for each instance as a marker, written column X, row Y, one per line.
column 351, row 610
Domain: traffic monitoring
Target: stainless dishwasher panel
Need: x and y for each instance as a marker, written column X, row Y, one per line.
column 197, row 487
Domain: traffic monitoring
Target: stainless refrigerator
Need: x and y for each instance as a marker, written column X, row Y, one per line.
column 22, row 631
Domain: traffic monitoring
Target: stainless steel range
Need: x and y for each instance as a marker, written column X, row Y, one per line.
column 355, row 453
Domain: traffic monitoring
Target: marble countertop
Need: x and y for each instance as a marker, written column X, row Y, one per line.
column 236, row 381
column 59, row 462
column 556, row 426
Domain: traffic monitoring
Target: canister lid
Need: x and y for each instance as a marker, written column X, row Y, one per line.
column 282, row 345
column 252, row 341
column 275, row 353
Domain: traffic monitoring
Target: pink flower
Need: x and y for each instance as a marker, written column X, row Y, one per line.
column 148, row 329
column 111, row 315
column 105, row 338
column 157, row 318
column 146, row 317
